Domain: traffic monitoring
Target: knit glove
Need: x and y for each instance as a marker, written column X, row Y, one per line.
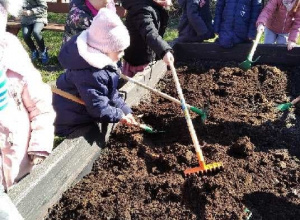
column 260, row 27
column 168, row 58
column 128, row 119
column 27, row 12
column 36, row 159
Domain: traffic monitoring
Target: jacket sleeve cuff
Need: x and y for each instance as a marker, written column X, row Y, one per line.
column 166, row 51
column 126, row 109
column 34, row 11
column 39, row 153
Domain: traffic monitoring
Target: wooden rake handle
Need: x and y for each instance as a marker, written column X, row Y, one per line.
column 296, row 100
column 164, row 95
column 67, row 95
column 258, row 35
column 155, row 91
column 74, row 98
column 187, row 114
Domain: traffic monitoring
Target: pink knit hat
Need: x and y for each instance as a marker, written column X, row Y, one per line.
column 107, row 33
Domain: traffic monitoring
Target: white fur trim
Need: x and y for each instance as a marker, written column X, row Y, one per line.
column 17, row 59
column 94, row 57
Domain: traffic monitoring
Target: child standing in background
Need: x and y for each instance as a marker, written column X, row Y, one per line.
column 81, row 15
column 92, row 74
column 280, row 19
column 235, row 21
column 33, row 20
column 26, row 112
column 146, row 21
column 196, row 22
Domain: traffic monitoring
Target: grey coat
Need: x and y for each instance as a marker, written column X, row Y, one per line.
column 39, row 9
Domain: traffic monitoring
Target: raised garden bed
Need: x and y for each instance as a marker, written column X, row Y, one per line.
column 72, row 159
column 140, row 176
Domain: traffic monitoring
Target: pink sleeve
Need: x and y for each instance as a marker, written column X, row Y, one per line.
column 37, row 98
column 111, row 6
column 267, row 12
column 295, row 29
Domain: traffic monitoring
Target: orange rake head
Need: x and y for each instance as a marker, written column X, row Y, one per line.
column 204, row 168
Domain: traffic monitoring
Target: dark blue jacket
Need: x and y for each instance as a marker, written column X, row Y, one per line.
column 195, row 24
column 235, row 21
column 96, row 87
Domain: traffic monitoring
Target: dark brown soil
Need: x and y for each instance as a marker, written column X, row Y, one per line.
column 140, row 175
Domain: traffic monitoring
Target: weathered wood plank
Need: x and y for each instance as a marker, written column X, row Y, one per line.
column 14, row 26
column 72, row 159
column 270, row 54
column 57, row 7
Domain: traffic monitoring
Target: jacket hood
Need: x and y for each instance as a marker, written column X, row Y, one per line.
column 13, row 52
column 74, row 54
column 69, row 57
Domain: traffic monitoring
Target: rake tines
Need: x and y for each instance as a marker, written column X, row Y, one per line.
column 204, row 169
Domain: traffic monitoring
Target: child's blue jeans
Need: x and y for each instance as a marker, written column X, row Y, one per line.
column 272, row 38
column 35, row 30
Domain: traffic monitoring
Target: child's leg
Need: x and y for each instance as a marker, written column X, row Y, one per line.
column 270, row 36
column 282, row 39
column 37, row 34
column 26, row 31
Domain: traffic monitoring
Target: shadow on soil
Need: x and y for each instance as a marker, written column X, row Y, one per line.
column 270, row 207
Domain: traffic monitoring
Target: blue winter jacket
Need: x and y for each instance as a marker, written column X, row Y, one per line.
column 96, row 87
column 195, row 24
column 235, row 21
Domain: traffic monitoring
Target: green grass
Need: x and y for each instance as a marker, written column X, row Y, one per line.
column 53, row 41
column 171, row 31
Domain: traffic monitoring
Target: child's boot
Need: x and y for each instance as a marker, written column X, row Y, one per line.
column 34, row 55
column 44, row 56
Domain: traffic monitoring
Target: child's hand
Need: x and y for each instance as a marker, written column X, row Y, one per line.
column 164, row 3
column 128, row 120
column 260, row 27
column 202, row 3
column 291, row 45
column 27, row 12
column 35, row 159
column 168, row 58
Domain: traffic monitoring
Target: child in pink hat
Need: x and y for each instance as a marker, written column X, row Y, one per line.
column 26, row 112
column 92, row 75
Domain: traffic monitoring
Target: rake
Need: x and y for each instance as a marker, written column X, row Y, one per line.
column 80, row 101
column 198, row 111
column 248, row 62
column 288, row 105
column 203, row 167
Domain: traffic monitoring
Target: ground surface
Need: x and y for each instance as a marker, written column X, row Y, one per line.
column 140, row 175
